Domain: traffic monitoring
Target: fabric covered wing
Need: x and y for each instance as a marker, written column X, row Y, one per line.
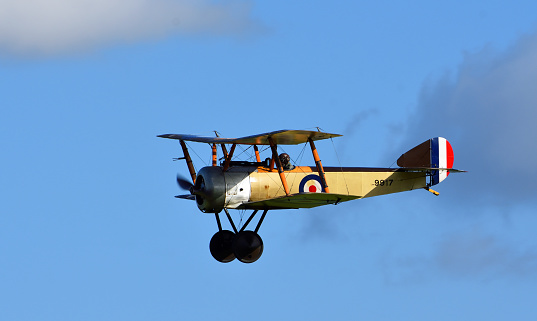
column 280, row 137
column 301, row 200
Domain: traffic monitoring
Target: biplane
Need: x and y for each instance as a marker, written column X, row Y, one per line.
column 275, row 184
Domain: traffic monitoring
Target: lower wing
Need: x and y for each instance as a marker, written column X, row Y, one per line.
column 300, row 200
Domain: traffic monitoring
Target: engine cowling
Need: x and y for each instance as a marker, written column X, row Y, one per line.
column 210, row 189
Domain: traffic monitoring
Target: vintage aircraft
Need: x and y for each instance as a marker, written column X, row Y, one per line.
column 275, row 184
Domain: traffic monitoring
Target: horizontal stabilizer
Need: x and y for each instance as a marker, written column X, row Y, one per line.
column 428, row 169
column 280, row 137
column 300, row 200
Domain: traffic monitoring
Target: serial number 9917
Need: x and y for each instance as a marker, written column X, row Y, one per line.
column 383, row 182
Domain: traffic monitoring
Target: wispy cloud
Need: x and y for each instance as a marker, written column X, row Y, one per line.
column 473, row 254
column 47, row 27
column 488, row 109
column 357, row 120
column 321, row 226
column 352, row 127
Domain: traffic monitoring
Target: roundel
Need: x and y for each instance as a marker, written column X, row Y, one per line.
column 311, row 184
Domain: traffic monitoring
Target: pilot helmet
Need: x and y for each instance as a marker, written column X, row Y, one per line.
column 284, row 159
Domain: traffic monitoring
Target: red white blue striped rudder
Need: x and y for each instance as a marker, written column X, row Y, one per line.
column 435, row 153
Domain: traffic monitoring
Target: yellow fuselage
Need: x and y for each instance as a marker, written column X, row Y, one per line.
column 360, row 182
column 250, row 187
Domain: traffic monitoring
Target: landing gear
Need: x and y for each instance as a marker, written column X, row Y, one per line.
column 246, row 246
column 221, row 246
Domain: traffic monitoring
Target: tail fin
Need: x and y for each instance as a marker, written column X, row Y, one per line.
column 435, row 153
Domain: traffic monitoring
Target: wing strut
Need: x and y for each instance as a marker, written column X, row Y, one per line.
column 279, row 164
column 224, row 149
column 228, row 157
column 271, row 165
column 213, row 147
column 188, row 161
column 257, row 158
column 319, row 165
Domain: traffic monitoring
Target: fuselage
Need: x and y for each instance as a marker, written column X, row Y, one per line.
column 246, row 184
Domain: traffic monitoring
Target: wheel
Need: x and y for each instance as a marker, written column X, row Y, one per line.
column 221, row 246
column 247, row 246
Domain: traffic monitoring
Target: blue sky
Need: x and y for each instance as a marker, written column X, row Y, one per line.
column 89, row 228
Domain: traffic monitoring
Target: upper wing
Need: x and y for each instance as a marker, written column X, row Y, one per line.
column 280, row 137
column 301, row 200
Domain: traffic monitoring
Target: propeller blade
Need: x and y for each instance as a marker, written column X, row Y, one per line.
column 184, row 183
column 187, row 197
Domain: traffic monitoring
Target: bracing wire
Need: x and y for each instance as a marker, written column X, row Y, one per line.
column 340, row 166
column 244, row 151
column 297, row 161
column 194, row 165
column 195, row 153
column 241, row 215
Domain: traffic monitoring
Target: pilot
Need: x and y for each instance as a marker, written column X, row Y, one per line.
column 285, row 160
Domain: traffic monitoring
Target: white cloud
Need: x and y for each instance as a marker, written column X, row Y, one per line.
column 36, row 27
column 488, row 111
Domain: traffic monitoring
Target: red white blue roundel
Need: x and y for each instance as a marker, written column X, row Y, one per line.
column 311, row 184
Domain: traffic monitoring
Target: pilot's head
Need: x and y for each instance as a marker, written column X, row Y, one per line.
column 285, row 159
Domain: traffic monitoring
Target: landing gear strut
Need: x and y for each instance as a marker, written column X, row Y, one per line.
column 246, row 246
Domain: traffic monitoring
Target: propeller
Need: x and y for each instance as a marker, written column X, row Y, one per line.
column 196, row 191
column 184, row 183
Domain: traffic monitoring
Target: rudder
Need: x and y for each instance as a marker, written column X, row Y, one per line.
column 433, row 153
